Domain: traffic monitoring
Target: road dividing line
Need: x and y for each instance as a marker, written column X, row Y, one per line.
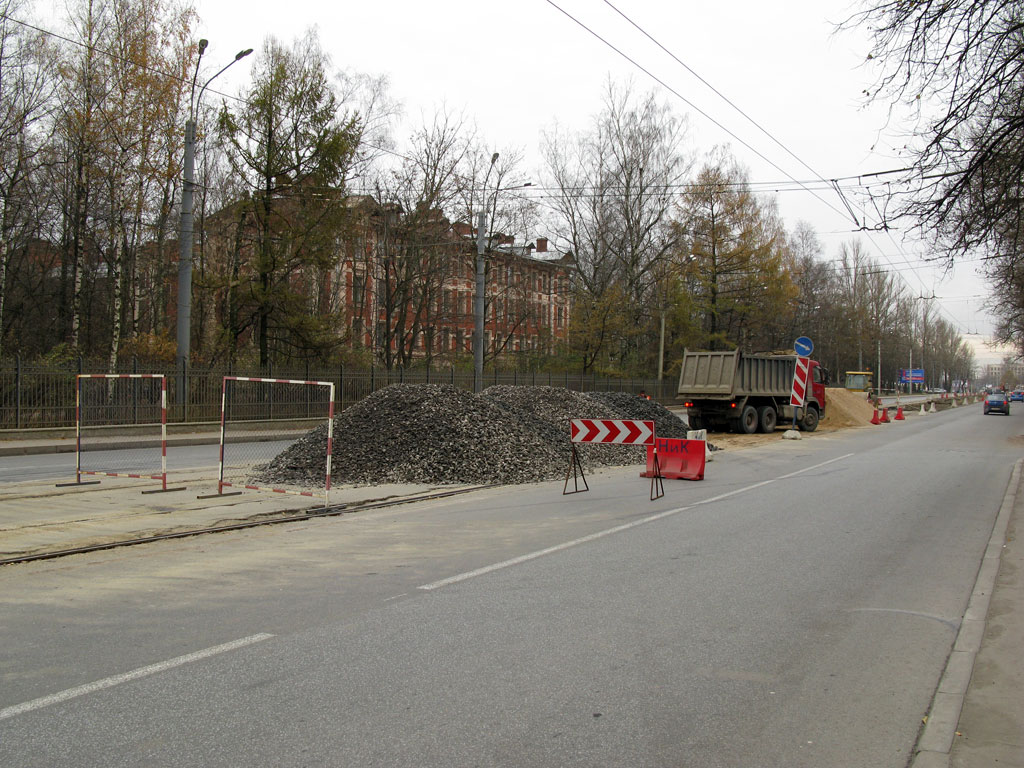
column 609, row 531
column 110, row 682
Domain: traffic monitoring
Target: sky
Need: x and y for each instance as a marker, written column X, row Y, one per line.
column 518, row 67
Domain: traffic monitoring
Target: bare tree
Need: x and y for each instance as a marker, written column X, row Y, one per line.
column 25, row 93
column 958, row 66
column 416, row 253
column 616, row 188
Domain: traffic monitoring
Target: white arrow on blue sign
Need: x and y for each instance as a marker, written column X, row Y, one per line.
column 803, row 346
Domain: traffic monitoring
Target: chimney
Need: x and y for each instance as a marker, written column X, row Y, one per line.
column 542, row 245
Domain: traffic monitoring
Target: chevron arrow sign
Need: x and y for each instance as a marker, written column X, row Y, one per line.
column 613, row 431
column 798, row 394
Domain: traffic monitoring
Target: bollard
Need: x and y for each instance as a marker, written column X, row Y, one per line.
column 874, row 417
column 899, row 414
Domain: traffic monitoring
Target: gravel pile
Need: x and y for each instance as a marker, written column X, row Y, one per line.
column 437, row 433
column 546, row 411
column 666, row 423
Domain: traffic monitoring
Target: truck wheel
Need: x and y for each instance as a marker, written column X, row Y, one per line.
column 810, row 421
column 696, row 422
column 748, row 420
column 767, row 417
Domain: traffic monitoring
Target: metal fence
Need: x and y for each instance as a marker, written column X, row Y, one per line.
column 37, row 397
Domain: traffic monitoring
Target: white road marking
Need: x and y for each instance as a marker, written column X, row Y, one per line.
column 617, row 529
column 110, row 682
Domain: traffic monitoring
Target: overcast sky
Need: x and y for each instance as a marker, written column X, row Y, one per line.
column 517, row 66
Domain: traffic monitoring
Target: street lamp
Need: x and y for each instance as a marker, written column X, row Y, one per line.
column 185, row 242
column 478, row 299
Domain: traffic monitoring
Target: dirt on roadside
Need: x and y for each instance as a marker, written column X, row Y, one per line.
column 843, row 410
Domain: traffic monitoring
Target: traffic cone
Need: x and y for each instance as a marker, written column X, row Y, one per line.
column 874, row 417
column 922, row 409
column 885, row 416
column 933, row 409
column 899, row 414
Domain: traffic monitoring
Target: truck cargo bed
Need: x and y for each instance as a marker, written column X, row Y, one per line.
column 733, row 374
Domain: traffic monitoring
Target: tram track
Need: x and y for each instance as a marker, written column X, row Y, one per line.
column 329, row 511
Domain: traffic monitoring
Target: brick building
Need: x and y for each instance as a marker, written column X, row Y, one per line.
column 412, row 301
column 401, row 285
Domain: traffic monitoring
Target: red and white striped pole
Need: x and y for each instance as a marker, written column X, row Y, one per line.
column 78, row 429
column 163, row 432
column 223, row 406
column 330, row 445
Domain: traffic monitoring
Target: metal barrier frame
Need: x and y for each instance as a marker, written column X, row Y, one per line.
column 162, row 477
column 222, row 484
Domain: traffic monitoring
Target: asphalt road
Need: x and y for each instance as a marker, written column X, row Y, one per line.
column 183, row 458
column 795, row 608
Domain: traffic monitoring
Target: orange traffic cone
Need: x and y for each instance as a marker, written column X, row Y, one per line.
column 874, row 417
column 899, row 414
column 885, row 416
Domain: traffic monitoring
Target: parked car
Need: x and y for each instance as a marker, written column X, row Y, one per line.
column 997, row 402
column 1017, row 395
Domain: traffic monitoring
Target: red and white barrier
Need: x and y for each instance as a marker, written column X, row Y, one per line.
column 261, row 410
column 113, row 407
column 677, row 459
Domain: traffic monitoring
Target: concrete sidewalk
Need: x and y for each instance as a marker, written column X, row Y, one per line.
column 39, row 516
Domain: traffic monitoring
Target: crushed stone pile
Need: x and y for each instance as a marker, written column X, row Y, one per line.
column 440, row 434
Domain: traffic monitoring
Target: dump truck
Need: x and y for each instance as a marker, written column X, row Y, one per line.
column 748, row 392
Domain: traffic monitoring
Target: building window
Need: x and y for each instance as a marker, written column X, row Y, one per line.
column 358, row 288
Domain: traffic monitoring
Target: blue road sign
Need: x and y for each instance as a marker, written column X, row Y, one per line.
column 803, row 346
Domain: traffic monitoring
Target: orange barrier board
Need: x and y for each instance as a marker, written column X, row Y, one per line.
column 677, row 459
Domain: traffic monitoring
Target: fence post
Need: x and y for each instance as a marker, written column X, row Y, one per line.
column 135, row 390
column 453, row 374
column 371, row 378
column 186, row 371
column 341, row 387
column 17, row 389
column 270, row 393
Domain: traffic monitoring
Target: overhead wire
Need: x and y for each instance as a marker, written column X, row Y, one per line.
column 834, row 182
column 682, row 98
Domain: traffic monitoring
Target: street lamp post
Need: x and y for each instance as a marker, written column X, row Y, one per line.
column 185, row 238
column 478, row 299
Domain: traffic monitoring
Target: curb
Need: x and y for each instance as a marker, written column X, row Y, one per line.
column 936, row 738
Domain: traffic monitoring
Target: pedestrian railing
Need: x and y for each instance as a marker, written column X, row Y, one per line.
column 36, row 396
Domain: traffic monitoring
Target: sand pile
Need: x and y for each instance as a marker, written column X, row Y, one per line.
column 844, row 408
